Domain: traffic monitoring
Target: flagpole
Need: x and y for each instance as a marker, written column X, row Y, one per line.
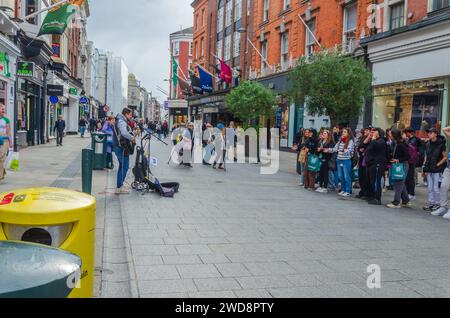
column 257, row 51
column 182, row 73
column 45, row 9
column 206, row 71
column 309, row 29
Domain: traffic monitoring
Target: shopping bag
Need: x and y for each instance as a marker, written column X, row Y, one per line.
column 314, row 163
column 13, row 161
column 355, row 174
column 398, row 172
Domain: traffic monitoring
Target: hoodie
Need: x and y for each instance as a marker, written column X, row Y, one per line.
column 434, row 151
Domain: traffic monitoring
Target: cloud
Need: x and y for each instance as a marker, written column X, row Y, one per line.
column 138, row 30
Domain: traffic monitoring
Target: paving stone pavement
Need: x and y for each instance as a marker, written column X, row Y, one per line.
column 242, row 234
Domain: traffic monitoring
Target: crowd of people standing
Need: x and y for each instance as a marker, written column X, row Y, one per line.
column 375, row 161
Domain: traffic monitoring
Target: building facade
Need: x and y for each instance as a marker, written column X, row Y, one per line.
column 117, row 84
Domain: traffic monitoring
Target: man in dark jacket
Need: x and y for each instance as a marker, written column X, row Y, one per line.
column 362, row 165
column 60, row 127
column 433, row 169
column 414, row 143
column 376, row 161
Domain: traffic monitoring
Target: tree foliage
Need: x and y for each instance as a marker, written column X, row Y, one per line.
column 331, row 84
column 251, row 100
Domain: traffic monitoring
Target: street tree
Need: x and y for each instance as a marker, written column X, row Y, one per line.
column 249, row 102
column 331, row 84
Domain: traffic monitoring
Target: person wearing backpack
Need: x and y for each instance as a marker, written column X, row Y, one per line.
column 400, row 156
column 435, row 164
column 445, row 187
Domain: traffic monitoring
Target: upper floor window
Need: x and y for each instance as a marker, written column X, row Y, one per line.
column 310, row 41
column 237, row 44
column 229, row 14
column 286, row 4
column 237, row 10
column 266, row 10
column 397, row 15
column 263, row 54
column 227, row 55
column 176, row 48
column 440, row 4
column 249, row 7
column 284, row 50
column 203, row 18
column 191, row 44
column 30, row 8
column 220, row 17
column 349, row 34
column 219, row 49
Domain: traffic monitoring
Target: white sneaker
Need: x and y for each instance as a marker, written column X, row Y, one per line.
column 346, row 195
column 301, row 184
column 447, row 216
column 324, row 191
column 319, row 190
column 341, row 193
column 412, row 198
column 393, row 206
column 440, row 212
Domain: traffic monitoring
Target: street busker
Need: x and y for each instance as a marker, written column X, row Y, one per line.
column 124, row 143
column 400, row 156
column 345, row 150
column 445, row 187
column 60, row 127
column 376, row 161
column 108, row 129
column 219, row 146
column 326, row 143
column 82, row 126
column 309, row 146
column 434, row 167
column 362, row 164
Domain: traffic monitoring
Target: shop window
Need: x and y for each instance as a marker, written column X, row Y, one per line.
column 397, row 15
column 3, row 93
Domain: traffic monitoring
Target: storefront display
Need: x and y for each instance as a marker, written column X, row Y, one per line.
column 417, row 104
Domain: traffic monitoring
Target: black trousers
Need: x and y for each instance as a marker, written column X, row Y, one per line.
column 323, row 175
column 59, row 137
column 411, row 180
column 374, row 174
column 363, row 181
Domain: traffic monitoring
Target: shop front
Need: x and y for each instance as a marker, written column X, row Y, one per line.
column 178, row 112
column 211, row 109
column 411, row 69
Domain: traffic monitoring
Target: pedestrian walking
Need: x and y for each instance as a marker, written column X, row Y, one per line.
column 108, row 129
column 376, row 161
column 92, row 125
column 400, row 160
column 326, row 143
column 124, row 143
column 219, row 146
column 165, row 128
column 231, row 140
column 82, row 126
column 434, row 167
column 60, row 127
column 6, row 144
column 445, row 187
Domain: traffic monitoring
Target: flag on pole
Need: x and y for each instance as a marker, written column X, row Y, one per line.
column 57, row 19
column 226, row 74
column 185, row 88
column 174, row 73
column 206, row 80
column 195, row 83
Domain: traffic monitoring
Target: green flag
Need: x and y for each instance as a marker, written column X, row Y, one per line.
column 174, row 73
column 57, row 20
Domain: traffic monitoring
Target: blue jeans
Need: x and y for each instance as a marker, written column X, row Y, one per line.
column 333, row 179
column 124, row 165
column 345, row 175
column 82, row 131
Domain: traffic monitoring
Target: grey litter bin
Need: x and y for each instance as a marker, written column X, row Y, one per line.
column 36, row 271
column 99, row 145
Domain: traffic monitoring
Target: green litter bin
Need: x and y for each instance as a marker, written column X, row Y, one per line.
column 99, row 146
column 36, row 271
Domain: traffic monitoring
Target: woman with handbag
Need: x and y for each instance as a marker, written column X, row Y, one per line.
column 399, row 170
column 309, row 147
column 326, row 143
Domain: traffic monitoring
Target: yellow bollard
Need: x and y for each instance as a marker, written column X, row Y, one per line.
column 59, row 218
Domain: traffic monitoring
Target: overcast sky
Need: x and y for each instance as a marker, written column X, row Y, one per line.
column 138, row 30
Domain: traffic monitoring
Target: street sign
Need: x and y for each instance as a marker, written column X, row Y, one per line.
column 55, row 90
column 84, row 100
column 73, row 91
column 25, row 69
column 54, row 99
column 106, row 109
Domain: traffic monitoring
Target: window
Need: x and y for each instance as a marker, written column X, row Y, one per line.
column 190, row 48
column 264, row 54
column 229, row 14
column 219, row 49
column 237, row 44
column 249, row 7
column 202, row 48
column 266, row 10
column 220, row 17
column 397, row 15
column 286, row 4
column 310, row 41
column 227, row 55
column 237, row 10
column 176, row 48
column 350, row 17
column 440, row 4
column 30, row 8
column 196, row 22
column 284, row 50
column 203, row 18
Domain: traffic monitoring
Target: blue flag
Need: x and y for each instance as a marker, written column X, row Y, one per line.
column 206, row 81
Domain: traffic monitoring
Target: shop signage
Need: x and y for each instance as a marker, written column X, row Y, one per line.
column 73, row 91
column 56, row 49
column 54, row 99
column 4, row 64
column 25, row 69
column 56, row 90
column 166, row 105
